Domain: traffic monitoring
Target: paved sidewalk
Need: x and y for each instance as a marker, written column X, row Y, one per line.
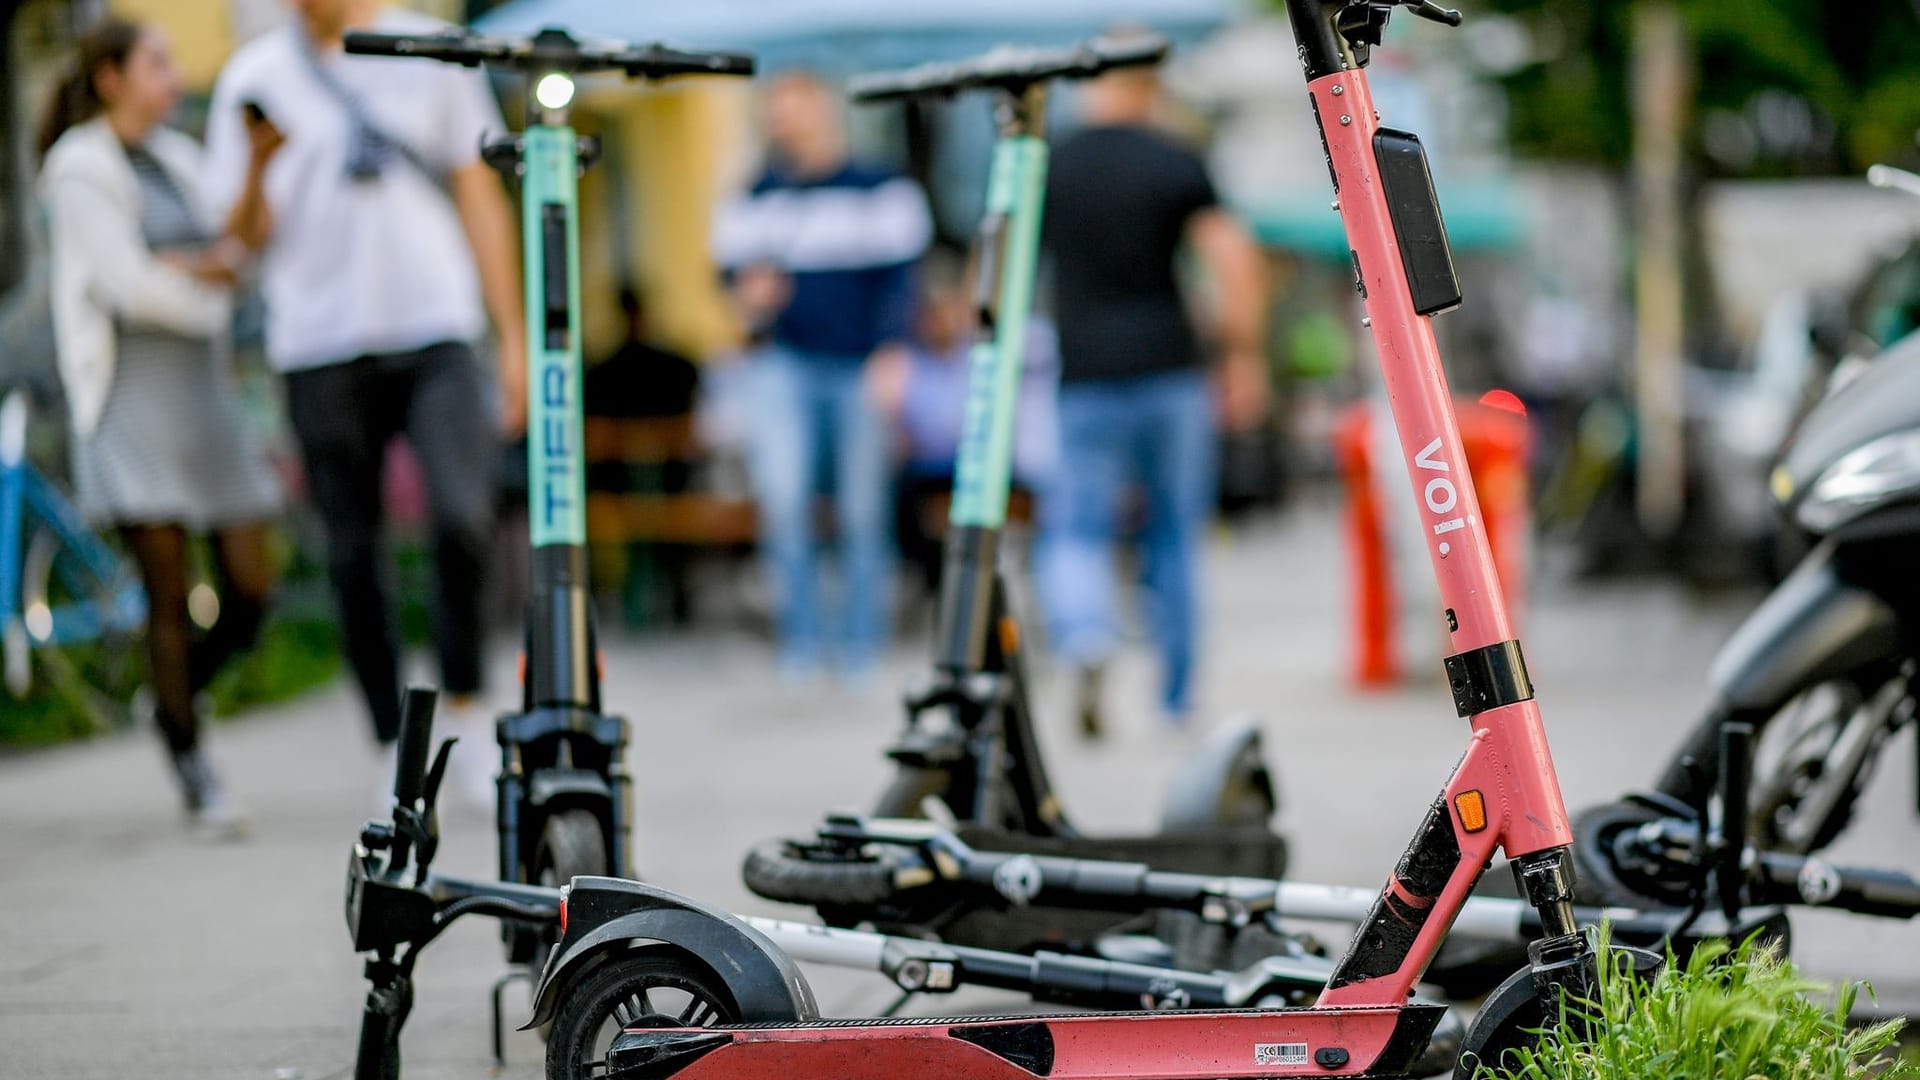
column 128, row 949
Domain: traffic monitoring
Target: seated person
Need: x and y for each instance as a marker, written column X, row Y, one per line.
column 928, row 401
column 640, row 379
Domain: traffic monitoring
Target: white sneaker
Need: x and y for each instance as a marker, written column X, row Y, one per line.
column 475, row 764
column 214, row 813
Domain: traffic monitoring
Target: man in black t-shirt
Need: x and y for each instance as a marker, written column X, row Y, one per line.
column 1140, row 392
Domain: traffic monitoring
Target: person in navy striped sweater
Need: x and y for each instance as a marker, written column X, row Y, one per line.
column 819, row 255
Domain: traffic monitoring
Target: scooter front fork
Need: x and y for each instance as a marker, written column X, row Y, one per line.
column 1565, row 963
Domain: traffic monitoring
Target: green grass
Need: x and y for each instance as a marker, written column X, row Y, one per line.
column 1727, row 1014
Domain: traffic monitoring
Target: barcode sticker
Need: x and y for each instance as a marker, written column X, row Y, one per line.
column 1280, row 1054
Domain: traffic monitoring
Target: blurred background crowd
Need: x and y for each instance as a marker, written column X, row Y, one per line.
column 1659, row 209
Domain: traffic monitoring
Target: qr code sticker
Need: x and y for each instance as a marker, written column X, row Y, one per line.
column 1280, row 1054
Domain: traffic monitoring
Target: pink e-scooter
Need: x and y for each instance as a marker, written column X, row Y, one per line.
column 1504, row 795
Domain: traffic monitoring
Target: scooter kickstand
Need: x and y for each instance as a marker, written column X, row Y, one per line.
column 517, row 973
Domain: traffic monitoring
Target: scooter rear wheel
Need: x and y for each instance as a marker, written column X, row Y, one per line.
column 659, row 986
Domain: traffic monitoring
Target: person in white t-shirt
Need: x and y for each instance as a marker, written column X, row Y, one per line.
column 385, row 242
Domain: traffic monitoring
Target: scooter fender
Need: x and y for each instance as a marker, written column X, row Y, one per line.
column 1811, row 627
column 606, row 916
column 1218, row 774
column 549, row 785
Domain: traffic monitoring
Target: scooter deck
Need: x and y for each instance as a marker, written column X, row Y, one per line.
column 1371, row 1042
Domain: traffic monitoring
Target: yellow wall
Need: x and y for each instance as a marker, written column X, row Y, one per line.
column 201, row 31
column 669, row 143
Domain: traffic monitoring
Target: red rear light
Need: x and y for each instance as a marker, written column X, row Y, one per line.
column 563, row 908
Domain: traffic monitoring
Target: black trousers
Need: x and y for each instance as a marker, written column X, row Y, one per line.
column 345, row 415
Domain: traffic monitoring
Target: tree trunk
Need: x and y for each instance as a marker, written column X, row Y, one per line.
column 1662, row 69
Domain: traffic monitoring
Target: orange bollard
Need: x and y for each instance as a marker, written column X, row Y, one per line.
column 1374, row 661
column 1497, row 438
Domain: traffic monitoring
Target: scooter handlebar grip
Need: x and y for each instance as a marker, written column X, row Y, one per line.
column 365, row 43
column 416, row 742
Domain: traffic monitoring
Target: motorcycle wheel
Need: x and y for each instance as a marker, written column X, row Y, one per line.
column 1814, row 759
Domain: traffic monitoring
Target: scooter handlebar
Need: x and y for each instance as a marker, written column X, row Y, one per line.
column 1011, row 67
column 550, row 50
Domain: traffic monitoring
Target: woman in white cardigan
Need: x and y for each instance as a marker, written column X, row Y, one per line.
column 142, row 305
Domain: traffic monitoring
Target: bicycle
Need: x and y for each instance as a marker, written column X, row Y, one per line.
column 67, row 599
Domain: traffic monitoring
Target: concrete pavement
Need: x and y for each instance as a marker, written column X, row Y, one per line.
column 129, row 949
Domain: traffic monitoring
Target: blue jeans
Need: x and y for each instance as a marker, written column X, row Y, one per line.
column 1154, row 433
column 809, row 413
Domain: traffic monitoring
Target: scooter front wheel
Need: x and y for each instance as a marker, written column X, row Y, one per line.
column 1515, row 1017
column 796, row 874
column 658, row 986
column 572, row 845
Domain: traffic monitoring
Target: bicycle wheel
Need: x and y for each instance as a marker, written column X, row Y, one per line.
column 85, row 629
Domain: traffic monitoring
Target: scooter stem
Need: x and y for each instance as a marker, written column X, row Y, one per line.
column 1006, row 250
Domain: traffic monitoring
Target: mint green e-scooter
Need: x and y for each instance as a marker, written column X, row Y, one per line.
column 563, row 806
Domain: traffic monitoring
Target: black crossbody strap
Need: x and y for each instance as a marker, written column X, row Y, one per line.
column 357, row 116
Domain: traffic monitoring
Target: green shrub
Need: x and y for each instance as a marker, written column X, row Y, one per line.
column 1728, row 1014
column 295, row 654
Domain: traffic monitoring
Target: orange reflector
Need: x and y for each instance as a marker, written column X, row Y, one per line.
column 1009, row 636
column 523, row 667
column 1473, row 810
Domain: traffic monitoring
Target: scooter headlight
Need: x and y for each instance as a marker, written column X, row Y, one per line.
column 1883, row 469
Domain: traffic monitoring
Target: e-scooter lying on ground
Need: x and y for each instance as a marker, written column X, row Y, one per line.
column 1685, row 857
column 396, row 906
column 970, row 742
column 1504, row 795
column 903, row 873
column 563, row 801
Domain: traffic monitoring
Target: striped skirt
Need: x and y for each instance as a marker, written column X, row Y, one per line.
column 172, row 446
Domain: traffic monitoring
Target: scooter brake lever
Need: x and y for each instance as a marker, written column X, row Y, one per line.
column 1427, row 9
column 430, row 790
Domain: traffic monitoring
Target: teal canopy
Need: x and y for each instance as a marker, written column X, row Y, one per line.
column 856, row 35
column 1481, row 215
